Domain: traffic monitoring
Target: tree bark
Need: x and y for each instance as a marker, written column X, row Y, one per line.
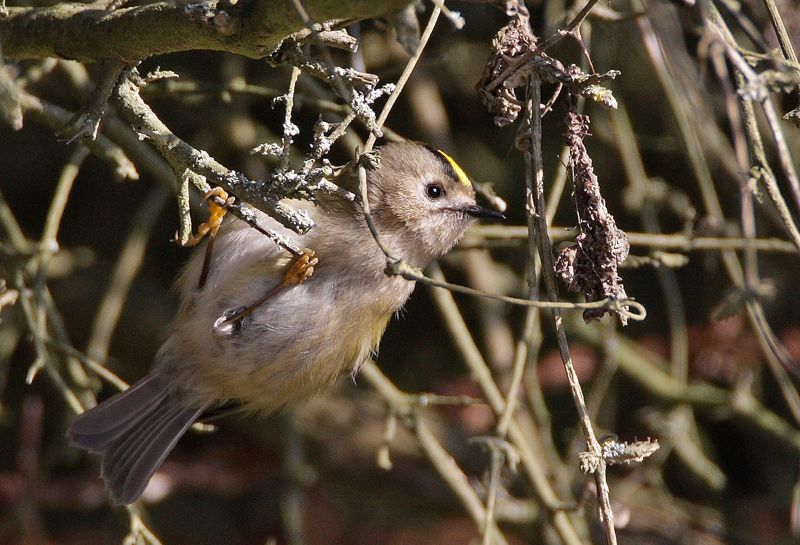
column 88, row 32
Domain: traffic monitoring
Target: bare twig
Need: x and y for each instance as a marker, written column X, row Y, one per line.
column 783, row 37
column 181, row 155
column 532, row 465
column 56, row 117
column 572, row 27
column 86, row 124
column 664, row 241
column 537, row 209
column 626, row 307
column 138, row 531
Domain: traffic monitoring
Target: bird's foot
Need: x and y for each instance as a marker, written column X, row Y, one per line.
column 216, row 214
column 301, row 268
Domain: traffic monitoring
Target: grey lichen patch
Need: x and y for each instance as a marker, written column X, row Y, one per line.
column 361, row 103
column 613, row 452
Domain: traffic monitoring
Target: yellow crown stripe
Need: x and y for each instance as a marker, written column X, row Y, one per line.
column 462, row 176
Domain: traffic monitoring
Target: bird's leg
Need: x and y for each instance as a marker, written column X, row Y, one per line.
column 300, row 270
column 210, row 227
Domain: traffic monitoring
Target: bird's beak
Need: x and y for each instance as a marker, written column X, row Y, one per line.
column 477, row 211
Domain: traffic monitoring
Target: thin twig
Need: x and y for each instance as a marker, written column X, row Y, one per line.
column 55, row 117
column 573, row 25
column 181, row 156
column 774, row 123
column 777, row 356
column 138, row 531
column 411, row 273
column 49, row 243
column 532, row 465
column 84, row 125
column 97, row 367
column 289, row 128
column 407, row 71
column 780, row 31
column 537, row 226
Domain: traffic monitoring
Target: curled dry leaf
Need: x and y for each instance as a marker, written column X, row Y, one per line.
column 504, row 71
column 515, row 58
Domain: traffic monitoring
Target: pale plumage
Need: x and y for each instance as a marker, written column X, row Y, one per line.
column 300, row 339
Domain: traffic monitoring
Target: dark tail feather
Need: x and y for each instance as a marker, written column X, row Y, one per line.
column 133, row 431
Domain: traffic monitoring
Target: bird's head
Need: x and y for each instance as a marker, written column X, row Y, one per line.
column 422, row 200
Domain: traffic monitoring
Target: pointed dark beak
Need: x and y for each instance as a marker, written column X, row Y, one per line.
column 477, row 211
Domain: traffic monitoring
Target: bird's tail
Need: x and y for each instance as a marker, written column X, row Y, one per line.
column 133, row 431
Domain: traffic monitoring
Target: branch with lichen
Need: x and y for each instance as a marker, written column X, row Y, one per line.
column 183, row 156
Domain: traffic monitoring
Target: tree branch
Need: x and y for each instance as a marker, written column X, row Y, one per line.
column 85, row 32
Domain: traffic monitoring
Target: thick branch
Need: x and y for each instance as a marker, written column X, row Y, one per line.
column 84, row 32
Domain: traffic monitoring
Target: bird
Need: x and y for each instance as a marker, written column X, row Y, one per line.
column 258, row 329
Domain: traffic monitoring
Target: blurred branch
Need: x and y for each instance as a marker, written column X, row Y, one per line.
column 647, row 369
column 127, row 266
column 57, row 117
column 403, row 406
column 49, row 241
column 675, row 241
column 778, row 358
column 787, row 49
column 97, row 367
column 31, row 428
column 300, row 475
column 138, row 533
column 533, row 466
column 84, row 126
column 761, row 170
column 35, row 302
column 678, row 426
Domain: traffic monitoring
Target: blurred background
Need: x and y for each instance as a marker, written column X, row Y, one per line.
column 311, row 474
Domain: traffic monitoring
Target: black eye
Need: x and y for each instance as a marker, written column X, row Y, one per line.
column 434, row 191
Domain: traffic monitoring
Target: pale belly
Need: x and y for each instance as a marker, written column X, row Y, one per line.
column 289, row 348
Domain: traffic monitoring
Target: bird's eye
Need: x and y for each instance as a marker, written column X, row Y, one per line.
column 434, row 191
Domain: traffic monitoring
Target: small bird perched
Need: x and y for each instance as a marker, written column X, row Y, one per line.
column 252, row 335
